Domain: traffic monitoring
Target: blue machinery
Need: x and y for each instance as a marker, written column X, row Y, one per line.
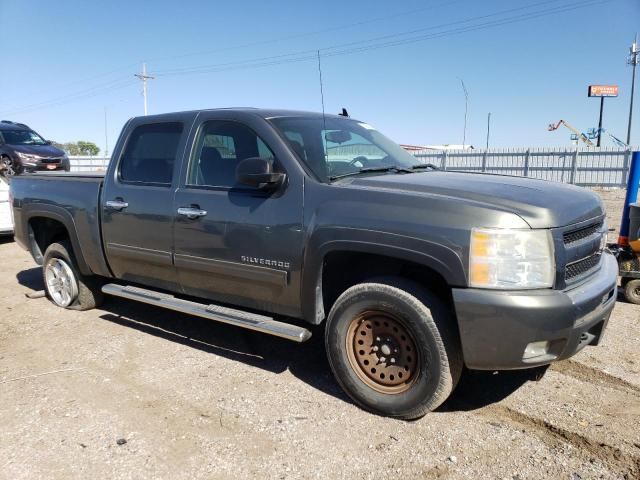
column 631, row 197
column 627, row 250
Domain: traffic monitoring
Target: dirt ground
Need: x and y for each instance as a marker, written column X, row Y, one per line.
column 132, row 391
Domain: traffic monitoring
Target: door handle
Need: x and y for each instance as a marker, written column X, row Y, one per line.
column 191, row 212
column 116, row 204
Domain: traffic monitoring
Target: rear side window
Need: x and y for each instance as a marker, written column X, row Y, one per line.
column 151, row 153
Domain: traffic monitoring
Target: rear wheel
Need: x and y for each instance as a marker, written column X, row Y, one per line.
column 65, row 286
column 632, row 291
column 393, row 348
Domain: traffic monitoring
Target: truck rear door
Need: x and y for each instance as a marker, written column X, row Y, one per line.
column 233, row 243
column 137, row 200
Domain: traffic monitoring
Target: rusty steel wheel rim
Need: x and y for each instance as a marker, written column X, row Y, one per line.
column 382, row 352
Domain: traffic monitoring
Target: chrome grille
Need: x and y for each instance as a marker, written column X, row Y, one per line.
column 581, row 267
column 580, row 234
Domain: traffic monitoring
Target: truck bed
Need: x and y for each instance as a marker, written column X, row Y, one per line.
column 71, row 198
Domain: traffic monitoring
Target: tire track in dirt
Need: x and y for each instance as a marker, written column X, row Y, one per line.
column 626, row 464
column 588, row 374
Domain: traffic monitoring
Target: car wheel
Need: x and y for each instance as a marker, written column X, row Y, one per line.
column 65, row 286
column 8, row 168
column 632, row 291
column 394, row 348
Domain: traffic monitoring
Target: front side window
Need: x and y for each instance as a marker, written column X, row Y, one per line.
column 332, row 147
column 22, row 137
column 219, row 147
column 151, row 153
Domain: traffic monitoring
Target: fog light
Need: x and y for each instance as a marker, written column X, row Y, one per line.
column 536, row 349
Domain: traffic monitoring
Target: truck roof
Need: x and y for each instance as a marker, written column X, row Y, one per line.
column 261, row 112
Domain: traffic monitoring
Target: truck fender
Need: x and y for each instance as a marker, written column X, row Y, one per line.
column 439, row 258
column 61, row 215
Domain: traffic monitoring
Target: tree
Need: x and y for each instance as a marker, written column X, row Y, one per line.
column 80, row 147
column 88, row 148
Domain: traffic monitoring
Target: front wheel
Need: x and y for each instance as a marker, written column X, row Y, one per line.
column 393, row 348
column 8, row 168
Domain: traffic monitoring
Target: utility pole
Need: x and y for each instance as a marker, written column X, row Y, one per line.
column 634, row 54
column 144, row 77
column 600, row 121
column 466, row 109
column 488, row 128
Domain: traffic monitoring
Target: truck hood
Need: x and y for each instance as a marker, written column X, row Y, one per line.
column 43, row 151
column 541, row 204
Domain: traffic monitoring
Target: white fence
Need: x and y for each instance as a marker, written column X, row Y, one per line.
column 602, row 167
column 88, row 164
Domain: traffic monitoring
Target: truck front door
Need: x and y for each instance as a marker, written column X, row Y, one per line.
column 137, row 202
column 236, row 244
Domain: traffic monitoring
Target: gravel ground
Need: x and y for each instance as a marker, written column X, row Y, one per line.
column 132, row 391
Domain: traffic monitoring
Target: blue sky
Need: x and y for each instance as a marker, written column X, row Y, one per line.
column 64, row 62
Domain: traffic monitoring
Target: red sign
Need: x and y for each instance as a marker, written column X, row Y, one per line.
column 603, row 90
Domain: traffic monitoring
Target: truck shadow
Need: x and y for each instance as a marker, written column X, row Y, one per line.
column 478, row 389
column 307, row 361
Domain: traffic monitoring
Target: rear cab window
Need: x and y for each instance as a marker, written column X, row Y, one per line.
column 150, row 154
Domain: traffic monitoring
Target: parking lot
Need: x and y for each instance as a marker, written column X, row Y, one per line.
column 131, row 391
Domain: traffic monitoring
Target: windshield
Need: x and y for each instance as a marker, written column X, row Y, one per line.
column 334, row 147
column 22, row 137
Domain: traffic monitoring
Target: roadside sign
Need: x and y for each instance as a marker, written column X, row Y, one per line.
column 603, row 91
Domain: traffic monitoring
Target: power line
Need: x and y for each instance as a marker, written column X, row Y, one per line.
column 311, row 52
column 312, row 33
column 252, row 44
column 105, row 88
column 308, row 55
column 339, row 50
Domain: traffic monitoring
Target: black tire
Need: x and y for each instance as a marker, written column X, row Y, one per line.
column 88, row 294
column 425, row 318
column 8, row 167
column 632, row 291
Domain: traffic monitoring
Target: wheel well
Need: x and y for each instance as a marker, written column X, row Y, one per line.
column 43, row 232
column 341, row 270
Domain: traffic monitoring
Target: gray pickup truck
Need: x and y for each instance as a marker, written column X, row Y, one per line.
column 278, row 221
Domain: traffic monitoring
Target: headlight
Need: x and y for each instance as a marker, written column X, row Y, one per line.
column 26, row 156
column 511, row 259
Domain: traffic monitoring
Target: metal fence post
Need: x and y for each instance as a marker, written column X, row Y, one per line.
column 625, row 168
column 574, row 166
column 444, row 160
column 484, row 161
column 526, row 162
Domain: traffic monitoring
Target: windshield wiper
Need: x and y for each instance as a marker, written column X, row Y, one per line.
column 424, row 166
column 372, row 170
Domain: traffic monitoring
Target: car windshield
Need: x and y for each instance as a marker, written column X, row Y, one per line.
column 335, row 147
column 22, row 137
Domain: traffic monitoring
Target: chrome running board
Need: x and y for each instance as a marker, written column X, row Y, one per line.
column 239, row 318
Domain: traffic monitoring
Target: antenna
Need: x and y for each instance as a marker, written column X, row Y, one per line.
column 106, row 138
column 324, row 120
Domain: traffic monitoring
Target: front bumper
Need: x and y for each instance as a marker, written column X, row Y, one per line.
column 496, row 327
